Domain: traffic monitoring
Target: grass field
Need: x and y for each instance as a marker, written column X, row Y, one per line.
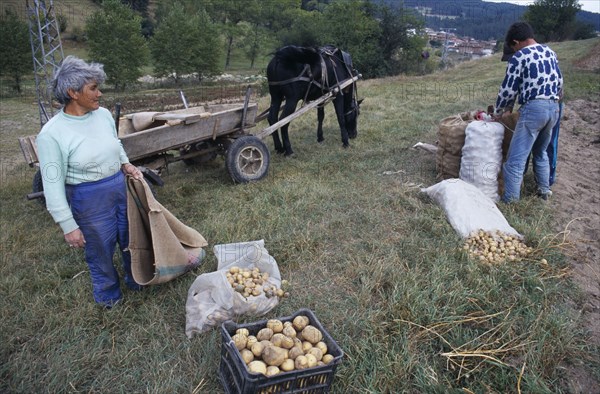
column 361, row 246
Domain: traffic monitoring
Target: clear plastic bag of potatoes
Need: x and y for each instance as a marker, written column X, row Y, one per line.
column 245, row 283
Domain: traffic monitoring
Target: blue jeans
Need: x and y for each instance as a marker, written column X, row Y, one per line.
column 532, row 134
column 552, row 147
column 100, row 210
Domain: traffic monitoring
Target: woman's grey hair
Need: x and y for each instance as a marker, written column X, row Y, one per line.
column 74, row 73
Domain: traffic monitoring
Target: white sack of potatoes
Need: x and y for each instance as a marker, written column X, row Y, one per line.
column 467, row 208
column 211, row 300
column 481, row 159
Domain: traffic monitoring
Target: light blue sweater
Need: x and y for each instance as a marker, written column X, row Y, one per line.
column 76, row 149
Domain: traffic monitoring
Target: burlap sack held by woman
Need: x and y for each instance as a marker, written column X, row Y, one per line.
column 162, row 247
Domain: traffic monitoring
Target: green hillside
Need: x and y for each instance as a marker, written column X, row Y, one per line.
column 350, row 230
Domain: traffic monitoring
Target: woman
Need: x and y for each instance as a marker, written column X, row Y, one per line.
column 83, row 167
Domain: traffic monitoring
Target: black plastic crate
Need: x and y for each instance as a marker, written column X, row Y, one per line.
column 237, row 379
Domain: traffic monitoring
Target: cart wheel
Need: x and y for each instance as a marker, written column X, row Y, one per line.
column 38, row 186
column 248, row 159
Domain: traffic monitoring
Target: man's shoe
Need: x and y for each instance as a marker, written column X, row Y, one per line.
column 544, row 196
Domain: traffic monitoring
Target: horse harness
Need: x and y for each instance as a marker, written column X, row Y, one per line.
column 306, row 75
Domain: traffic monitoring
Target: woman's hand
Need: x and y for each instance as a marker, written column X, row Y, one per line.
column 130, row 169
column 75, row 239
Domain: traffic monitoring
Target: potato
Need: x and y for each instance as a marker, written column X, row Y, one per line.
column 242, row 331
column 311, row 334
column 282, row 341
column 289, row 331
column 240, row 341
column 266, row 343
column 257, row 349
column 300, row 322
column 275, row 325
column 247, row 356
column 274, row 355
column 257, row 367
column 287, row 365
column 321, row 345
column 311, row 360
column 327, row 358
column 316, row 352
column 306, row 346
column 277, row 339
column 295, row 352
column 272, row 370
column 301, row 362
column 287, row 342
column 264, row 334
column 251, row 341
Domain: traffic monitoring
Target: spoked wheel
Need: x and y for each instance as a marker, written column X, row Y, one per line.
column 248, row 159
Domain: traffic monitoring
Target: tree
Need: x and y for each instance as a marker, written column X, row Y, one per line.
column 229, row 13
column 401, row 40
column 256, row 39
column 552, row 20
column 583, row 31
column 115, row 40
column 350, row 25
column 184, row 43
column 15, row 49
column 304, row 28
column 263, row 25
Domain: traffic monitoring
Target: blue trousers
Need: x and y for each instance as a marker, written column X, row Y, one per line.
column 553, row 146
column 100, row 210
column 532, row 134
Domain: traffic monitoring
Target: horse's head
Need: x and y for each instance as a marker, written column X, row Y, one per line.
column 351, row 117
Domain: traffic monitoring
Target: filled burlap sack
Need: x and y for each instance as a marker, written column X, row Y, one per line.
column 451, row 138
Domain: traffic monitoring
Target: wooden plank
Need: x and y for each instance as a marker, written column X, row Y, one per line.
column 313, row 104
column 185, row 118
column 160, row 139
column 29, row 149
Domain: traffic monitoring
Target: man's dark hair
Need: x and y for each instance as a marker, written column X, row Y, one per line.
column 519, row 31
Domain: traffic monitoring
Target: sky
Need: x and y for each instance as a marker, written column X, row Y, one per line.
column 586, row 5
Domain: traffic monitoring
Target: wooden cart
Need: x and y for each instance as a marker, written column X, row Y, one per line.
column 152, row 140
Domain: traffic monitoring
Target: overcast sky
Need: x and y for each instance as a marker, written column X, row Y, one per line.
column 587, row 5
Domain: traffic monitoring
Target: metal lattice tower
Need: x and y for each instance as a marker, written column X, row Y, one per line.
column 46, row 48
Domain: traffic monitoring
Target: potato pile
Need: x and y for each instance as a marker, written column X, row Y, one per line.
column 282, row 347
column 252, row 282
column 495, row 247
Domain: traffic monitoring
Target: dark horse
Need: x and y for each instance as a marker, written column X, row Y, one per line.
column 307, row 73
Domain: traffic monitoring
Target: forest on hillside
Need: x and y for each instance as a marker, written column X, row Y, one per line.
column 203, row 38
column 477, row 18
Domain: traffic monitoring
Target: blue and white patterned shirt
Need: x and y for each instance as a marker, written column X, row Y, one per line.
column 532, row 73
